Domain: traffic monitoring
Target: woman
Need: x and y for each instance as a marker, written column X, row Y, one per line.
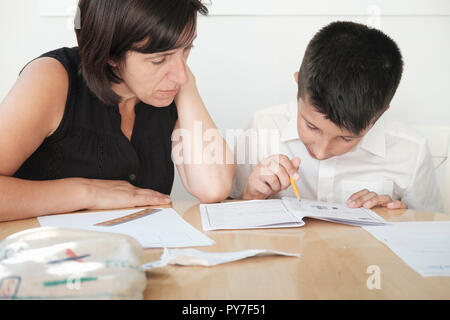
column 90, row 127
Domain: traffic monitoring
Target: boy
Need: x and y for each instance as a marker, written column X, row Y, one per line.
column 349, row 153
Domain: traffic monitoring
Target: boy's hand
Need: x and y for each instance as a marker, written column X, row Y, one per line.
column 271, row 176
column 368, row 200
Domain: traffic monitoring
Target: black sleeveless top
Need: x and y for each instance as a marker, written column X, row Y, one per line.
column 89, row 142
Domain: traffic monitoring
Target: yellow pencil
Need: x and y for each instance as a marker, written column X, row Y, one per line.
column 294, row 186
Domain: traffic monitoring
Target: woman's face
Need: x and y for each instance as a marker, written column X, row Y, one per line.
column 154, row 78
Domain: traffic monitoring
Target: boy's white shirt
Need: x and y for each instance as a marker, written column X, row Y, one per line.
column 391, row 159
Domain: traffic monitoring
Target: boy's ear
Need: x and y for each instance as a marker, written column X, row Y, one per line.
column 296, row 77
column 112, row 63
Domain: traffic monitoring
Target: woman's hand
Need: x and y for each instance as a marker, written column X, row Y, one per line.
column 111, row 194
column 187, row 90
column 206, row 167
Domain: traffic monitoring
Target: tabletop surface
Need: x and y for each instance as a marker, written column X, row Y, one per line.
column 334, row 263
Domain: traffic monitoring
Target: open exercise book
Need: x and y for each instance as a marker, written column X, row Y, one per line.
column 284, row 213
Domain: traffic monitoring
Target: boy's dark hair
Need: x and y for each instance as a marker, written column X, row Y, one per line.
column 110, row 28
column 350, row 73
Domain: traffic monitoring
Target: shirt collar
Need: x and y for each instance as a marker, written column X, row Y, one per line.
column 374, row 141
column 290, row 131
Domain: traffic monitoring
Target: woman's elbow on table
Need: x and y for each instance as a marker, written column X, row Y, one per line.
column 213, row 196
column 213, row 193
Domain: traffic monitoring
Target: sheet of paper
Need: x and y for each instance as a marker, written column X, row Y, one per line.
column 247, row 214
column 193, row 257
column 424, row 246
column 332, row 212
column 162, row 229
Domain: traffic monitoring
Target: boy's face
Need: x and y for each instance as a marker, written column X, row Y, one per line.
column 321, row 137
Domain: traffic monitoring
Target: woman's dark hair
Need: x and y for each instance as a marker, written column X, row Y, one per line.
column 350, row 73
column 110, row 28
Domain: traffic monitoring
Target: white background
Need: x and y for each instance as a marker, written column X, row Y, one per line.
column 248, row 50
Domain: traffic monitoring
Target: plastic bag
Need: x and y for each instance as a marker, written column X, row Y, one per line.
column 55, row 263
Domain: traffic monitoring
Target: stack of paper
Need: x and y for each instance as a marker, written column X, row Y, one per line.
column 161, row 228
column 424, row 246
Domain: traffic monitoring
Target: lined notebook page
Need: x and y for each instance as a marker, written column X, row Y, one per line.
column 247, row 214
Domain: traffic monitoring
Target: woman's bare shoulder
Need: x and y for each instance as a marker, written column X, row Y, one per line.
column 31, row 111
column 44, row 83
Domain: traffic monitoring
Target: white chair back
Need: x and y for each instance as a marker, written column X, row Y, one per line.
column 439, row 144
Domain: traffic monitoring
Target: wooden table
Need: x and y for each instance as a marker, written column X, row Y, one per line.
column 333, row 264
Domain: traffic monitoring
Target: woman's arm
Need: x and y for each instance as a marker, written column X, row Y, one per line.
column 203, row 158
column 22, row 199
column 30, row 113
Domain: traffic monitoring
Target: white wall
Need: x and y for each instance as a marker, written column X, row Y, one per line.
column 247, row 51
